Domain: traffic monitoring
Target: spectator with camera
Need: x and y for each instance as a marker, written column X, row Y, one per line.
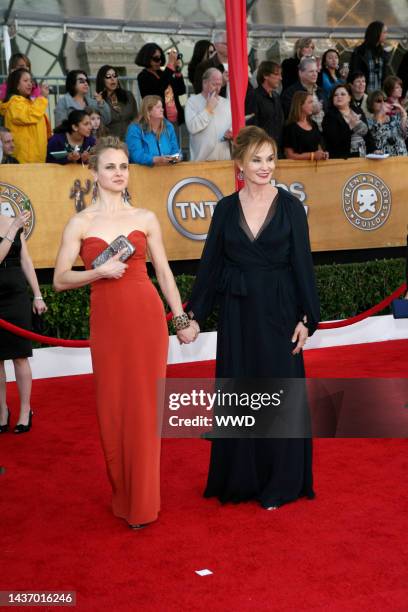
column 72, row 140
column 329, row 75
column 167, row 83
column 26, row 119
column 17, row 61
column 152, row 140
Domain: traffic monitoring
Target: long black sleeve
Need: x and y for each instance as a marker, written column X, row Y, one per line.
column 203, row 296
column 302, row 263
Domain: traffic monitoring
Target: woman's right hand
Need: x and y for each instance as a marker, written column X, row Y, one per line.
column 319, row 154
column 73, row 156
column 113, row 268
column 20, row 221
column 161, row 160
column 212, row 102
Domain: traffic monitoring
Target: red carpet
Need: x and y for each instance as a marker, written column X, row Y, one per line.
column 344, row 551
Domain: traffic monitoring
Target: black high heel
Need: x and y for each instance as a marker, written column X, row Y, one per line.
column 4, row 428
column 19, row 429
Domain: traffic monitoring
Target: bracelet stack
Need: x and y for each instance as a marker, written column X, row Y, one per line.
column 181, row 321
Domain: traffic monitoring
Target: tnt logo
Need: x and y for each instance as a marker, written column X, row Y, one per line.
column 366, row 201
column 190, row 206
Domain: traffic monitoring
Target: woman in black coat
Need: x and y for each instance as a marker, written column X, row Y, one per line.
column 168, row 83
column 258, row 267
column 345, row 132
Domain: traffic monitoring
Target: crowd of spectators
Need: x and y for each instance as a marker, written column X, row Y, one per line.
column 315, row 108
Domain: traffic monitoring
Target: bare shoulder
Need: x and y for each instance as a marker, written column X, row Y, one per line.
column 78, row 224
column 145, row 218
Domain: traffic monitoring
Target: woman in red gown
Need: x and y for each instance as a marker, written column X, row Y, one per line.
column 129, row 337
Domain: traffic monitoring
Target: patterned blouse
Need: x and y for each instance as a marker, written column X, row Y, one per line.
column 389, row 136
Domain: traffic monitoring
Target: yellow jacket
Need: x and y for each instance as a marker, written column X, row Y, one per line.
column 27, row 121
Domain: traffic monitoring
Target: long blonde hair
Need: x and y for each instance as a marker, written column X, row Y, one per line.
column 143, row 119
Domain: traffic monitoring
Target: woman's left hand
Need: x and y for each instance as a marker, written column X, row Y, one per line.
column 189, row 334
column 172, row 57
column 99, row 98
column 39, row 306
column 300, row 335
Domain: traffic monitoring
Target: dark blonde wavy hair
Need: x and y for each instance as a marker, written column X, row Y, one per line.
column 249, row 140
column 106, row 142
column 143, row 119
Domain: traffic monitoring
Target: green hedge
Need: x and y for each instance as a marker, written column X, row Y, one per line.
column 344, row 290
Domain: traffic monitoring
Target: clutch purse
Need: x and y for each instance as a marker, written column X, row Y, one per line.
column 121, row 242
column 399, row 309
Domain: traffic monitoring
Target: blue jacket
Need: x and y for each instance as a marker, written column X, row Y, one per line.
column 143, row 145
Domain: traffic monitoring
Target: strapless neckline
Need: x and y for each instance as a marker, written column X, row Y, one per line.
column 103, row 239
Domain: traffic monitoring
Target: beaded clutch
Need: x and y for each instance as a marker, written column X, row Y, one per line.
column 121, row 242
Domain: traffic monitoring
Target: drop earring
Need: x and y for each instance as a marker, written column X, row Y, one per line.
column 127, row 198
column 94, row 192
column 241, row 175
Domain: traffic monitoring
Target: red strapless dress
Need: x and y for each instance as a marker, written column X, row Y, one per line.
column 129, row 342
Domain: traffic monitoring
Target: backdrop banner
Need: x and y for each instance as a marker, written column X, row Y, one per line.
column 350, row 204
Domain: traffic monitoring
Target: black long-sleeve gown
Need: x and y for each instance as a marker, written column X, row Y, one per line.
column 264, row 287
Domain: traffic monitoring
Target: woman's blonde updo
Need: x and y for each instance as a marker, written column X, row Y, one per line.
column 106, row 142
column 249, row 140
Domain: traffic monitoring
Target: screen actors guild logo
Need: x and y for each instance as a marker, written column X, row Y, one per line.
column 13, row 201
column 190, row 210
column 366, row 201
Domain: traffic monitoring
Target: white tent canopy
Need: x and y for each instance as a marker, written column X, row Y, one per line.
column 277, row 18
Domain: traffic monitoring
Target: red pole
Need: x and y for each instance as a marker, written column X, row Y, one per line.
column 235, row 13
column 235, row 16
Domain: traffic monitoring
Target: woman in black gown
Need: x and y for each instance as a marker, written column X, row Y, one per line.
column 16, row 268
column 257, row 265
